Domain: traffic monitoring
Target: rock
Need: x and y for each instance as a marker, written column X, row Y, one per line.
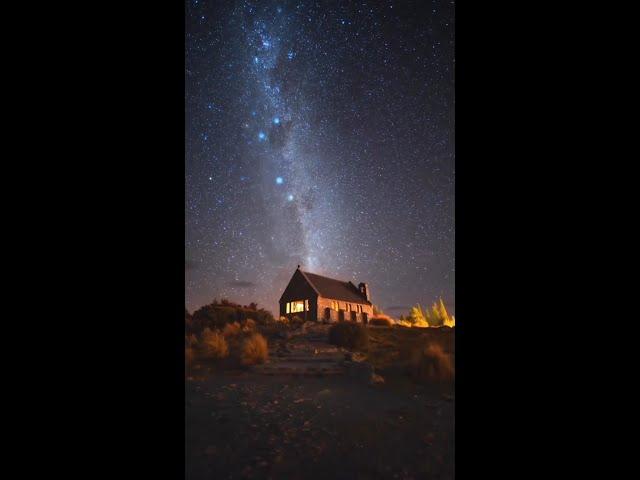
column 354, row 357
column 377, row 379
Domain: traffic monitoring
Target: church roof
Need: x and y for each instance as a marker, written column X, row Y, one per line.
column 335, row 289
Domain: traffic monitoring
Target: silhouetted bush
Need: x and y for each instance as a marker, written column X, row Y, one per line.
column 381, row 321
column 217, row 315
column 254, row 350
column 353, row 336
column 296, row 321
column 188, row 321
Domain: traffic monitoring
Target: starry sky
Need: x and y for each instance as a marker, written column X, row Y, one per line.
column 319, row 133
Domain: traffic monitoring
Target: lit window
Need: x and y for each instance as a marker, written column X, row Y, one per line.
column 334, row 305
column 288, row 307
column 306, row 305
column 297, row 306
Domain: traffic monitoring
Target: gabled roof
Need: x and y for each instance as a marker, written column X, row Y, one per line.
column 335, row 289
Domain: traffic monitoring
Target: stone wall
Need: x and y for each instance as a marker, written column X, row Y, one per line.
column 324, row 303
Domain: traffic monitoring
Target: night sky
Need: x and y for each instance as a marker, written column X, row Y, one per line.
column 320, row 134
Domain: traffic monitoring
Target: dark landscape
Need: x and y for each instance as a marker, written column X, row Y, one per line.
column 319, row 135
column 316, row 410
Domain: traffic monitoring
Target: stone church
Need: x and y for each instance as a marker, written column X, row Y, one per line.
column 316, row 298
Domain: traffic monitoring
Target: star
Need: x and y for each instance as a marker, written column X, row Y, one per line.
column 344, row 127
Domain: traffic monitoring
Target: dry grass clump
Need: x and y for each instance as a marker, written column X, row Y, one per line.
column 213, row 345
column 249, row 325
column 381, row 321
column 190, row 345
column 353, row 336
column 430, row 363
column 232, row 330
column 190, row 340
column 189, row 356
column 254, row 350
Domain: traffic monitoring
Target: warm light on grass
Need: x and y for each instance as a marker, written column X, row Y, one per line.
column 254, row 350
column 213, row 345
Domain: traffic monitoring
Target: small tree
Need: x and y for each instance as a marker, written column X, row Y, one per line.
column 417, row 317
column 439, row 315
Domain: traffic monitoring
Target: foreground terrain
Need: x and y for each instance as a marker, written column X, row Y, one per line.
column 307, row 415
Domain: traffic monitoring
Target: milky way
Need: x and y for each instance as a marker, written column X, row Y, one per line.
column 319, row 134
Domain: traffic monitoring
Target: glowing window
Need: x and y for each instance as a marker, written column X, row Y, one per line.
column 297, row 306
column 288, row 307
column 334, row 305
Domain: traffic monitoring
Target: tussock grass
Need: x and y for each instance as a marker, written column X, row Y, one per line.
column 254, row 350
column 213, row 345
column 419, row 354
column 189, row 356
column 248, row 325
column 231, row 330
column 431, row 364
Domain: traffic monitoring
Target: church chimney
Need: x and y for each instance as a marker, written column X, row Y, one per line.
column 364, row 290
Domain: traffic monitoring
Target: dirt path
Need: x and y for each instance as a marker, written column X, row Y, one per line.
column 279, row 425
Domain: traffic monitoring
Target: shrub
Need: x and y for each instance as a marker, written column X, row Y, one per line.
column 188, row 320
column 417, row 318
column 231, row 330
column 218, row 314
column 254, row 350
column 430, row 363
column 381, row 321
column 249, row 325
column 189, row 356
column 213, row 345
column 296, row 321
column 353, row 336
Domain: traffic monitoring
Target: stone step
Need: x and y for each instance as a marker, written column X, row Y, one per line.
column 304, row 358
column 288, row 368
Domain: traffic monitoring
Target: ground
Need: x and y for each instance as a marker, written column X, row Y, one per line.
column 304, row 416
